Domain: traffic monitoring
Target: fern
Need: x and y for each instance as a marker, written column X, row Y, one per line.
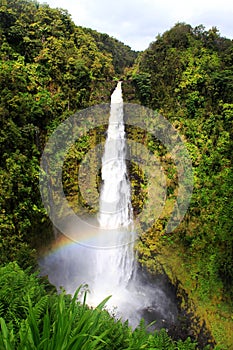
column 187, row 344
column 16, row 286
column 58, row 322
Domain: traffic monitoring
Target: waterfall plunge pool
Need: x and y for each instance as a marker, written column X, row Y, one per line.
column 151, row 297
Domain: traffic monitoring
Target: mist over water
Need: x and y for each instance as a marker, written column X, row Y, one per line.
column 111, row 268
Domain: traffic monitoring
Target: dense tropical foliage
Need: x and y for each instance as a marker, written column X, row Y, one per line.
column 187, row 75
column 196, row 95
column 51, row 68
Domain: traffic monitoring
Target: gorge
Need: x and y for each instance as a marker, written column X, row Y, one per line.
column 52, row 69
column 109, row 266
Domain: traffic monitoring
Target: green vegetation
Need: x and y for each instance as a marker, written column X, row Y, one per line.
column 122, row 55
column 196, row 96
column 49, row 69
column 33, row 318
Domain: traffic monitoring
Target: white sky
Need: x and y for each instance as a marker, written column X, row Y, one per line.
column 137, row 22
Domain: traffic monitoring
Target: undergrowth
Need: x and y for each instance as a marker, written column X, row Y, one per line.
column 33, row 318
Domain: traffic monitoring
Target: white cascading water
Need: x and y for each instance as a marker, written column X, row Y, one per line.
column 110, row 268
column 115, row 265
column 115, row 202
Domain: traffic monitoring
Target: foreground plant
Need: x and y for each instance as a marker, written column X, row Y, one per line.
column 32, row 318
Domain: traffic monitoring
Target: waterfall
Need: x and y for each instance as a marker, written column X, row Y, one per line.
column 115, row 264
column 108, row 266
column 115, row 202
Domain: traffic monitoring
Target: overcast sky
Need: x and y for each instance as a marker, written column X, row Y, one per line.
column 138, row 22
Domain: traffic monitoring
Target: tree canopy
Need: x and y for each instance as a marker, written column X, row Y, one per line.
column 49, row 69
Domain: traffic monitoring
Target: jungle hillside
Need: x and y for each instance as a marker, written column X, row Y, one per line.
column 51, row 68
